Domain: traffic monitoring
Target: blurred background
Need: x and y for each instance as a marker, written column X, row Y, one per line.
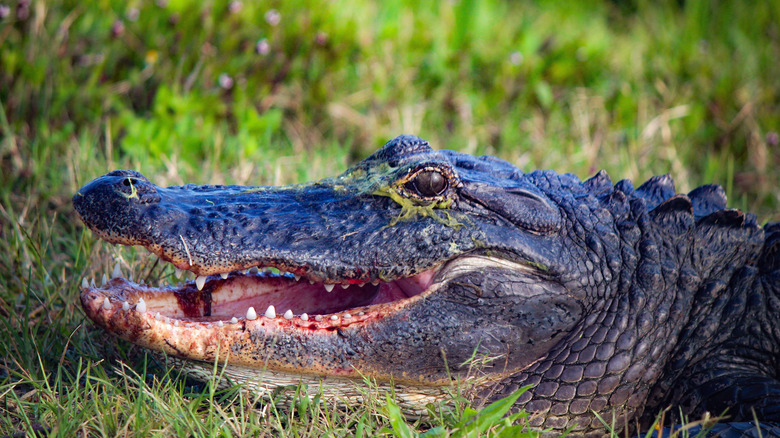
column 278, row 92
column 282, row 92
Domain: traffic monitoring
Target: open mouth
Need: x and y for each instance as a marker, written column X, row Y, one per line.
column 264, row 295
column 233, row 318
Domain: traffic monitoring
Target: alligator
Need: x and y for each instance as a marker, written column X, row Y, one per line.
column 420, row 269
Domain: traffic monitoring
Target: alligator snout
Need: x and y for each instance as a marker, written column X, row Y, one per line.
column 134, row 186
column 110, row 203
column 120, row 186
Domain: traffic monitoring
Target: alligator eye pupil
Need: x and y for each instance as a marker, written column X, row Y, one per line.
column 430, row 183
column 127, row 182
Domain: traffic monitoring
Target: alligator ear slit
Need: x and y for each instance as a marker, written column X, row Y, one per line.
column 521, row 207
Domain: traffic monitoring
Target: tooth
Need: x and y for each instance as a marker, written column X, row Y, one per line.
column 347, row 316
column 92, row 283
column 251, row 314
column 344, row 285
column 311, row 281
column 361, row 313
column 234, row 320
column 84, row 283
column 254, row 269
column 318, row 317
column 270, row 312
column 282, row 273
column 200, row 281
column 103, row 280
column 125, row 305
column 178, row 272
column 130, row 278
column 157, row 316
column 375, row 282
column 175, row 322
column 361, row 284
column 107, row 304
column 140, row 306
column 297, row 277
column 334, row 318
column 304, row 317
column 224, row 275
column 220, row 324
column 117, row 272
column 288, row 314
column 329, row 287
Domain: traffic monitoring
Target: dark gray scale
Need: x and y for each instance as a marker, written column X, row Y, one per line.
column 770, row 255
column 599, row 183
column 625, row 186
column 656, row 190
column 707, row 200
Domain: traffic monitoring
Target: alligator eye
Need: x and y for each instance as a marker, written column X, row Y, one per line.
column 428, row 183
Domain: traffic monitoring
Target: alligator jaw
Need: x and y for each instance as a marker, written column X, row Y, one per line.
column 193, row 327
column 197, row 319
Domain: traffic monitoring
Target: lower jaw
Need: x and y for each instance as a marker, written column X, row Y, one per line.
column 198, row 321
column 193, row 339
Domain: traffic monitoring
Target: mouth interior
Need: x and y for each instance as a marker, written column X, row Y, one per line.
column 233, row 296
column 262, row 294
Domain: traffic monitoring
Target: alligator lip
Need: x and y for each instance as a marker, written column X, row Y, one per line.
column 255, row 297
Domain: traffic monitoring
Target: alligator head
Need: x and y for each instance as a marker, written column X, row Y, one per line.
column 405, row 268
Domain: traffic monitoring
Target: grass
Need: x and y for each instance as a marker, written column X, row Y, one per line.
column 218, row 92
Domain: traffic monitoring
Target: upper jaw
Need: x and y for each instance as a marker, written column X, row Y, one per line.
column 316, row 231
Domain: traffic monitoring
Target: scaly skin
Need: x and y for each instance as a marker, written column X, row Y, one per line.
column 607, row 299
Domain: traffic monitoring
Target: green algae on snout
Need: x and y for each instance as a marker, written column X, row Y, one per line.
column 365, row 180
